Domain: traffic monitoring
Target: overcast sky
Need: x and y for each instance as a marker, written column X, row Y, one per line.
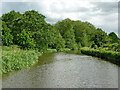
column 101, row 14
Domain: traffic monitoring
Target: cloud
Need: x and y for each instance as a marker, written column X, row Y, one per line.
column 64, row 0
column 106, row 6
column 100, row 14
column 19, row 6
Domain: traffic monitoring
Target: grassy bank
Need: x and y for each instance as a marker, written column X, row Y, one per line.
column 16, row 59
column 111, row 56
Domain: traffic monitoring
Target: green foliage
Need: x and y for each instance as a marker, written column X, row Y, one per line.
column 64, row 49
column 95, row 47
column 111, row 56
column 10, row 17
column 113, row 37
column 114, row 47
column 56, row 40
column 25, row 40
column 66, row 30
column 83, row 32
column 30, row 30
column 15, row 58
column 79, row 45
column 7, row 37
column 34, row 24
column 51, row 50
column 100, row 38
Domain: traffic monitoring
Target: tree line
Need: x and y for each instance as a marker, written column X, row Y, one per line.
column 30, row 31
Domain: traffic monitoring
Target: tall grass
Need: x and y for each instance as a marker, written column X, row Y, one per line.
column 14, row 58
column 111, row 56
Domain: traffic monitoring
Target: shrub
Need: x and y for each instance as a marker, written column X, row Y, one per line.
column 64, row 49
column 51, row 50
column 111, row 56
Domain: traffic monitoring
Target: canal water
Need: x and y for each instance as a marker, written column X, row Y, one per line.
column 63, row 70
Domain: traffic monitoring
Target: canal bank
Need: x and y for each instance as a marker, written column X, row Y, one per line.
column 63, row 70
column 111, row 56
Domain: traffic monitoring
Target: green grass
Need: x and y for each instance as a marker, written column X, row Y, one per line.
column 15, row 59
column 111, row 56
column 64, row 49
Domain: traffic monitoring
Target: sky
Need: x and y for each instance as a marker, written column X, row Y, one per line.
column 102, row 14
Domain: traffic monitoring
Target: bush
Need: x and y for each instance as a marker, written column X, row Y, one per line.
column 114, row 47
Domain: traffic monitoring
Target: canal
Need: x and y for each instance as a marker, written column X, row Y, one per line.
column 63, row 70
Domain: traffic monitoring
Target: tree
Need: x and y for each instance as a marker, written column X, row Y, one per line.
column 34, row 23
column 56, row 40
column 30, row 30
column 25, row 40
column 8, row 18
column 7, row 38
column 100, row 37
column 66, row 30
column 83, row 32
column 113, row 37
